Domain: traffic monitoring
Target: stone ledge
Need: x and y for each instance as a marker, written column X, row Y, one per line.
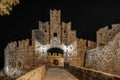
column 89, row 74
column 36, row 74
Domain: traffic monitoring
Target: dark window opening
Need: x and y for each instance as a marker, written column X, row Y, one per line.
column 100, row 33
column 19, row 64
column 55, row 34
column 64, row 31
column 101, row 44
column 45, row 30
column 114, row 30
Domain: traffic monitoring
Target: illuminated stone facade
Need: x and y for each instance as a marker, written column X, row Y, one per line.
column 104, row 35
column 55, row 59
column 106, row 56
column 20, row 57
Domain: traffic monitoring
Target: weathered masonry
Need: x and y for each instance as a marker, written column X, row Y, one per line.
column 50, row 38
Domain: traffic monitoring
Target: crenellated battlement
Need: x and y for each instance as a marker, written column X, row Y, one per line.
column 19, row 44
column 104, row 35
column 17, row 57
column 85, row 45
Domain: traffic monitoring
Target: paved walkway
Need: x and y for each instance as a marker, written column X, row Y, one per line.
column 58, row 74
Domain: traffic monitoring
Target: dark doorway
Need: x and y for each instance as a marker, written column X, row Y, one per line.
column 55, row 50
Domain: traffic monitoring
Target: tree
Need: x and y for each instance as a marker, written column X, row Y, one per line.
column 6, row 6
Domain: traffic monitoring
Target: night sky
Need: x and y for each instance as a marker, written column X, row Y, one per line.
column 86, row 18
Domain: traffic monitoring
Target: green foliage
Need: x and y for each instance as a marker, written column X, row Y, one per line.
column 6, row 6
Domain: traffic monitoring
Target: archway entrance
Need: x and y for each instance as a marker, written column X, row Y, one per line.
column 55, row 50
column 55, row 57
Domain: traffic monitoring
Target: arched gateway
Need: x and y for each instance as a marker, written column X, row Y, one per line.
column 55, row 35
column 55, row 57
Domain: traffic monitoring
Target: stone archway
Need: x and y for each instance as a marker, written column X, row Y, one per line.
column 55, row 50
column 55, row 57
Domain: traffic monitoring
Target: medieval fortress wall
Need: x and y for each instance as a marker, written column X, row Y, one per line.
column 104, row 35
column 106, row 56
column 21, row 57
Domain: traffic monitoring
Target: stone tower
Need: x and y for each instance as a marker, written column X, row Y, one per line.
column 55, row 27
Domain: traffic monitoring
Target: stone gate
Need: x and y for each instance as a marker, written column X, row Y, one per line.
column 21, row 57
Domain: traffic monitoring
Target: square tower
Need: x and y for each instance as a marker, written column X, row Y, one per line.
column 55, row 25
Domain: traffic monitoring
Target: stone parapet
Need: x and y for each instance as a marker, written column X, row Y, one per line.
column 89, row 74
column 36, row 74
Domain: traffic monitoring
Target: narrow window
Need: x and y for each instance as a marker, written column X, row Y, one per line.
column 64, row 31
column 55, row 34
column 19, row 64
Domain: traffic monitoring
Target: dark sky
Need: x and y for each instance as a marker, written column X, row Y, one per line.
column 86, row 17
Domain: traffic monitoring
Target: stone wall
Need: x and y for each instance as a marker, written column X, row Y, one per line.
column 68, row 35
column 83, row 46
column 90, row 44
column 81, row 49
column 105, row 58
column 89, row 74
column 42, row 33
column 56, row 30
column 36, row 74
column 104, row 35
column 19, row 58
